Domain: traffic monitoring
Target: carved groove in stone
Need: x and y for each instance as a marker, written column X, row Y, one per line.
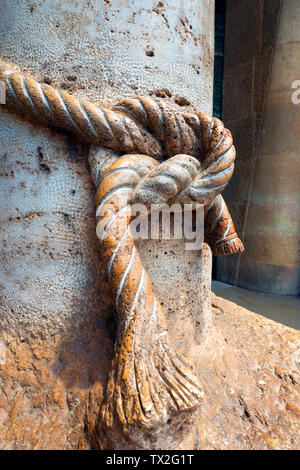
column 149, row 382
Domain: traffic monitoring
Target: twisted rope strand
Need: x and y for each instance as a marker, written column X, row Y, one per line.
column 140, row 124
column 93, row 124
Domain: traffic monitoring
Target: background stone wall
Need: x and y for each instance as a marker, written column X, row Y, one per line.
column 262, row 57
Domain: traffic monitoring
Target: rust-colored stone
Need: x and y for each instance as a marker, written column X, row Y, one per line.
column 251, row 387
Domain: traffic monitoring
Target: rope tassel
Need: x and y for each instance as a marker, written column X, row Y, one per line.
column 149, row 382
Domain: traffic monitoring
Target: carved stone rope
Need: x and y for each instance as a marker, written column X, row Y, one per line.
column 149, row 382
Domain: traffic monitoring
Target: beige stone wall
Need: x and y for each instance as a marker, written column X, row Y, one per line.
column 262, row 57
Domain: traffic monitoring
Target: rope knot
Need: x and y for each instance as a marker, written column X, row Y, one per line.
column 149, row 382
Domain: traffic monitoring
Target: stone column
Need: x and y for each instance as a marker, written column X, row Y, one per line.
column 57, row 315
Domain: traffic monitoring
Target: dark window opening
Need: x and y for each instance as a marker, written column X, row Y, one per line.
column 220, row 8
column 219, row 56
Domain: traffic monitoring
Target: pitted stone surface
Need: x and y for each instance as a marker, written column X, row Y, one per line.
column 108, row 50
